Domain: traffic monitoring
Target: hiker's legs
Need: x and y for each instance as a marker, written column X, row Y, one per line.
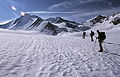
column 92, row 39
column 83, row 36
column 100, row 44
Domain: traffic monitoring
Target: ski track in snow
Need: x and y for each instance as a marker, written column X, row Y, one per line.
column 30, row 55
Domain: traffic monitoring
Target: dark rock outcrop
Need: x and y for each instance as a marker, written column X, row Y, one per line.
column 116, row 21
column 98, row 19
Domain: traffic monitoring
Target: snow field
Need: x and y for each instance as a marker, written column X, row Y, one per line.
column 38, row 55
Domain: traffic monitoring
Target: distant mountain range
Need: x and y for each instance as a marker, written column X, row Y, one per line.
column 106, row 20
column 55, row 25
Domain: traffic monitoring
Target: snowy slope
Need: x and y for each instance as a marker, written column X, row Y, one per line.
column 25, row 22
column 31, row 54
column 93, row 21
column 33, row 22
column 109, row 23
column 104, row 22
column 48, row 26
column 65, row 23
column 24, row 54
column 60, row 20
column 6, row 24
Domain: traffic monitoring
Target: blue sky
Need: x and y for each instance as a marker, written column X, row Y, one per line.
column 76, row 10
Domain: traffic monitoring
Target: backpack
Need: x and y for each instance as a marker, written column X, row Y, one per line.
column 102, row 36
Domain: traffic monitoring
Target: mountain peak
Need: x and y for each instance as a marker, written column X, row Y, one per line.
column 55, row 19
column 98, row 19
column 60, row 18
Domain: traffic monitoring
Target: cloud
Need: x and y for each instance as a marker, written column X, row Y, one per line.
column 86, row 8
column 81, row 4
column 78, row 16
column 63, row 4
column 22, row 13
column 13, row 7
column 87, row 15
column 47, row 12
column 71, row 3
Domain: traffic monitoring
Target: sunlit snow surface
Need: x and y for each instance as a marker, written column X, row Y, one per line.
column 31, row 54
column 34, row 54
